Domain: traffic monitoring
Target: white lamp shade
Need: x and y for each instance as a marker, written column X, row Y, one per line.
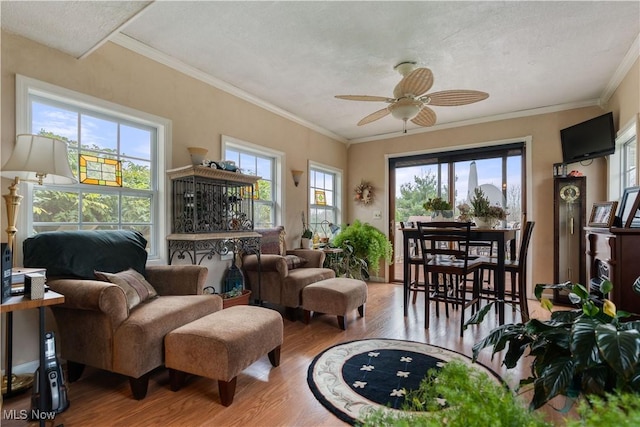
column 38, row 157
column 405, row 109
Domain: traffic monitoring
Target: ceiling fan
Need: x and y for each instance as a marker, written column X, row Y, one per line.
column 410, row 98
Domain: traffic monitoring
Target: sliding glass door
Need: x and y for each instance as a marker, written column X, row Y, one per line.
column 497, row 170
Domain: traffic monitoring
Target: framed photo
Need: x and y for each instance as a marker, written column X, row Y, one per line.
column 628, row 208
column 603, row 214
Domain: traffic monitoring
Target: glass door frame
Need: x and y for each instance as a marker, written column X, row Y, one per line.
column 526, row 183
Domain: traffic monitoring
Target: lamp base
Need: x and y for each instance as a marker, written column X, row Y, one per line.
column 19, row 384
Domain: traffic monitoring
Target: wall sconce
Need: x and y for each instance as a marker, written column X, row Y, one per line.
column 296, row 174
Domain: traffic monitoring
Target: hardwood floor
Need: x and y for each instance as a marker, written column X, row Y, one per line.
column 266, row 396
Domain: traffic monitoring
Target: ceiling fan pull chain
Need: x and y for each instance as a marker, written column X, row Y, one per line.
column 404, row 126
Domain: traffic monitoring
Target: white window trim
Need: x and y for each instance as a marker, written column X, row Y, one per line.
column 26, row 86
column 227, row 141
column 625, row 134
column 338, row 197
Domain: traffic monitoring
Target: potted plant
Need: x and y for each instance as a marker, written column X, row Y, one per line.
column 440, row 209
column 365, row 242
column 235, row 296
column 584, row 351
column 481, row 210
column 307, row 235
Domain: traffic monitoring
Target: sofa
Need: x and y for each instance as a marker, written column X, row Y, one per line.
column 117, row 310
column 280, row 274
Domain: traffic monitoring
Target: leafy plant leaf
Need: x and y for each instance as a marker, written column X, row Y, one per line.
column 621, row 349
column 636, row 285
column 557, row 377
column 583, row 343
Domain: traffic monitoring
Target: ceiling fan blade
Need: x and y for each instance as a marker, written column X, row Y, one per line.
column 365, row 98
column 415, row 83
column 426, row 117
column 374, row 116
column 451, row 98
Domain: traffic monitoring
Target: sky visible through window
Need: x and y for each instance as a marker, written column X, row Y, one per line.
column 103, row 133
column 489, row 172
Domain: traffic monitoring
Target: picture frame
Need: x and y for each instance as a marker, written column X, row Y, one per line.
column 628, row 208
column 603, row 214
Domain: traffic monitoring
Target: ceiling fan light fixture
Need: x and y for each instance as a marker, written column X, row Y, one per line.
column 405, row 109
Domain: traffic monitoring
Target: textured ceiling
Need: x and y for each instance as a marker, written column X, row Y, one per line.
column 293, row 57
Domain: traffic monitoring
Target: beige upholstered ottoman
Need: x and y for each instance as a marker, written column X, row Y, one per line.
column 334, row 296
column 221, row 345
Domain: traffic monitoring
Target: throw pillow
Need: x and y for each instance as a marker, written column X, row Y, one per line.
column 135, row 286
column 272, row 241
column 294, row 261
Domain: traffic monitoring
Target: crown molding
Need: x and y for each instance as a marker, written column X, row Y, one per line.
column 627, row 62
column 155, row 55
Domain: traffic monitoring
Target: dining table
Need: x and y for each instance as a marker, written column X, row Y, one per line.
column 501, row 236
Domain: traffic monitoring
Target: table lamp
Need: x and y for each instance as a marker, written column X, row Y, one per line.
column 35, row 158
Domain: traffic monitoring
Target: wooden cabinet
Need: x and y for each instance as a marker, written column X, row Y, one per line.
column 612, row 253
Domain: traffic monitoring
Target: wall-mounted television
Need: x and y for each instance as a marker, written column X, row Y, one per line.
column 588, row 140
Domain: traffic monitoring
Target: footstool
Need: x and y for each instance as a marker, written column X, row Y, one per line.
column 335, row 296
column 221, row 345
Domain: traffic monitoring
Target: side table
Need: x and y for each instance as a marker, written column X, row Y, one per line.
column 18, row 303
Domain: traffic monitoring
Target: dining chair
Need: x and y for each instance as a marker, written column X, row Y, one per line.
column 517, row 269
column 446, row 265
column 414, row 258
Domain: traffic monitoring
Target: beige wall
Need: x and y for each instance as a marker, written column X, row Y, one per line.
column 200, row 114
column 625, row 102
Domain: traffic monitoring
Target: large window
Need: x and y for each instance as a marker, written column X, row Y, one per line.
column 498, row 170
column 97, row 134
column 254, row 160
column 325, row 200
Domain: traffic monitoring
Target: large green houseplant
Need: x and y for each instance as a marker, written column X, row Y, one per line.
column 366, row 246
column 458, row 395
column 588, row 350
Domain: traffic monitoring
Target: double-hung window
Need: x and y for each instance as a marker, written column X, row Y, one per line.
column 325, row 200
column 262, row 162
column 115, row 153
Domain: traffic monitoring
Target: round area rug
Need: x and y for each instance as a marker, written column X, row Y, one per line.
column 354, row 378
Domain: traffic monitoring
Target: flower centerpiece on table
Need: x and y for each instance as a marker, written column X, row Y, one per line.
column 440, row 209
column 481, row 210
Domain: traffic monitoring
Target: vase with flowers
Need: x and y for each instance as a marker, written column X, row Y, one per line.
column 481, row 211
column 439, row 209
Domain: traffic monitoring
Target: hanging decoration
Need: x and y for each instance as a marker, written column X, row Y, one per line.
column 363, row 193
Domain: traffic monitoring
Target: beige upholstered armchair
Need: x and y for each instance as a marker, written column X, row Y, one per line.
column 117, row 311
column 283, row 273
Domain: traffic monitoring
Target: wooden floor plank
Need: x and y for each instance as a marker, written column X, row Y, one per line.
column 266, row 396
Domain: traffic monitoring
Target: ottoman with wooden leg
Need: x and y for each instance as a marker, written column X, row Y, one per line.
column 337, row 296
column 221, row 345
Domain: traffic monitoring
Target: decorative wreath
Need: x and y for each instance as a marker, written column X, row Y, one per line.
column 363, row 193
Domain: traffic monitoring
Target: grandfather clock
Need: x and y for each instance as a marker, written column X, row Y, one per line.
column 568, row 229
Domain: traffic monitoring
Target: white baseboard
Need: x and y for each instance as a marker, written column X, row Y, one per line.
column 25, row 368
